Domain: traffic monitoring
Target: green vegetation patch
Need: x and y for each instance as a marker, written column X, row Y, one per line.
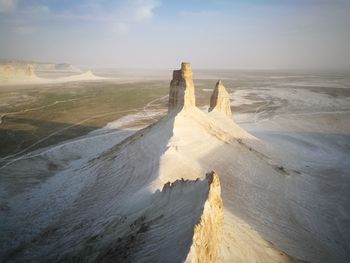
column 54, row 113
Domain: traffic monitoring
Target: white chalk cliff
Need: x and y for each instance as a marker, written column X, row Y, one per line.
column 148, row 197
column 11, row 74
column 181, row 94
column 208, row 232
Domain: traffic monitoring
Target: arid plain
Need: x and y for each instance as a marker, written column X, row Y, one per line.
column 68, row 148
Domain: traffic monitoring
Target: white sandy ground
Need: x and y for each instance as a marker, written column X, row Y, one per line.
column 310, row 134
column 115, row 181
column 101, row 192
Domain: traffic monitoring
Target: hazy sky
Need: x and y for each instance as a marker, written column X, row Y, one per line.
column 253, row 34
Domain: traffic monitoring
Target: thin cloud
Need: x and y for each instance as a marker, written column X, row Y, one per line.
column 24, row 29
column 119, row 16
column 144, row 9
column 7, row 6
column 120, row 28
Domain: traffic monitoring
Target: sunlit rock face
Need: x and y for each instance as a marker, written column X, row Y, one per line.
column 208, row 232
column 181, row 94
column 18, row 74
column 29, row 71
column 220, row 99
column 10, row 71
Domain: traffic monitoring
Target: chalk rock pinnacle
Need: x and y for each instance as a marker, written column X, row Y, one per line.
column 220, row 99
column 181, row 94
column 29, row 71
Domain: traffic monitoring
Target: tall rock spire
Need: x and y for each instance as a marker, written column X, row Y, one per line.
column 181, row 94
column 220, row 99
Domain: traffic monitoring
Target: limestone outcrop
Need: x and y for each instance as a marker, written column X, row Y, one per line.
column 220, row 99
column 9, row 73
column 208, row 232
column 29, row 71
column 181, row 94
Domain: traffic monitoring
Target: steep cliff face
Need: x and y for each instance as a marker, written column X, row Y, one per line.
column 9, row 71
column 220, row 99
column 29, row 71
column 181, row 222
column 181, row 94
column 208, row 232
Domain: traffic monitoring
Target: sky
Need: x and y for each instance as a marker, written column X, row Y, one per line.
column 212, row 34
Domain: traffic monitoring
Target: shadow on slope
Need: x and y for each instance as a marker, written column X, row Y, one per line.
column 18, row 133
column 22, row 171
column 86, row 201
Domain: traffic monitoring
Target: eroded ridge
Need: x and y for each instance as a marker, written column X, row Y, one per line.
column 208, row 232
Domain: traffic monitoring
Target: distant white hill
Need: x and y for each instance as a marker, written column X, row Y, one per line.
column 40, row 66
column 88, row 75
column 26, row 74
